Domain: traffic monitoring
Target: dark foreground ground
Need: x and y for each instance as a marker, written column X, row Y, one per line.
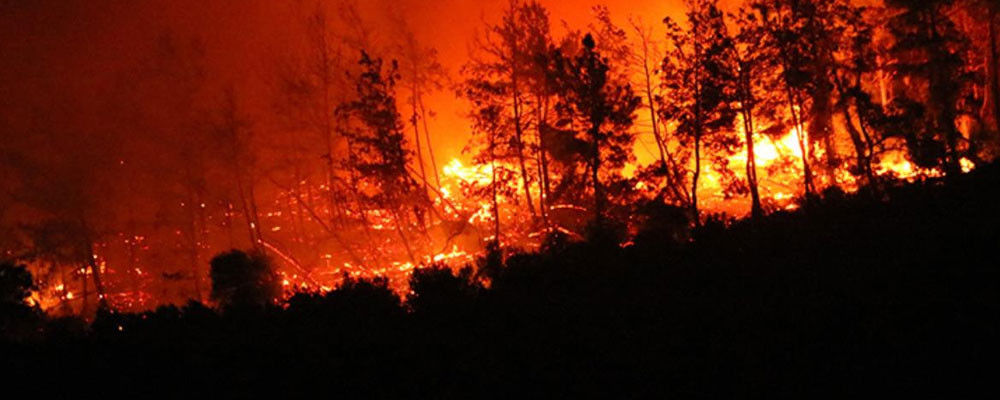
column 856, row 297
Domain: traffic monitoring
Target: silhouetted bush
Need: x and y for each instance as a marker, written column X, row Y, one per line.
column 242, row 280
column 16, row 284
column 435, row 290
column 18, row 319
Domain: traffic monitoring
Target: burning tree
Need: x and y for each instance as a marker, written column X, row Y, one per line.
column 749, row 60
column 646, row 58
column 801, row 34
column 378, row 158
column 597, row 110
column 337, row 172
column 697, row 73
column 511, row 96
column 422, row 74
column 929, row 52
column 504, row 74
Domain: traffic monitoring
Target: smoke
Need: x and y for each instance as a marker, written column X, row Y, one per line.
column 75, row 51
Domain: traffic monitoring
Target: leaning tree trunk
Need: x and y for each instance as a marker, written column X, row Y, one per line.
column 427, row 138
column 694, row 180
column 95, row 270
column 416, row 138
column 795, row 109
column 541, row 114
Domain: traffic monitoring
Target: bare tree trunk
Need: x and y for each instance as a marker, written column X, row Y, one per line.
column 694, row 179
column 648, row 81
column 543, row 163
column 519, row 138
column 821, row 116
column 416, row 136
column 493, row 188
column 95, row 270
column 862, row 158
column 698, row 132
column 427, row 136
column 596, row 162
column 794, row 106
column 756, row 209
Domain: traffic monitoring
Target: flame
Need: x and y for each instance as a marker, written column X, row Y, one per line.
column 481, row 175
column 967, row 165
column 460, row 200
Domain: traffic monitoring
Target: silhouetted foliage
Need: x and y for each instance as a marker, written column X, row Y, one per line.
column 597, row 109
column 17, row 317
column 929, row 50
column 698, row 73
column 244, row 280
column 793, row 303
column 437, row 290
column 15, row 284
column 627, row 288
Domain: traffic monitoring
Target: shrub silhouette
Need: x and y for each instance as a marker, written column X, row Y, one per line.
column 243, row 280
column 15, row 284
column 437, row 291
column 18, row 319
column 854, row 290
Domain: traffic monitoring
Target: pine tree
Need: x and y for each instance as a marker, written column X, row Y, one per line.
column 698, row 81
column 603, row 109
column 379, row 158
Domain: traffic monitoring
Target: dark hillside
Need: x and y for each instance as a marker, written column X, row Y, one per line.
column 854, row 295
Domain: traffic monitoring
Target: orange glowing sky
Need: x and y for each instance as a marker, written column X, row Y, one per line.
column 451, row 24
column 79, row 48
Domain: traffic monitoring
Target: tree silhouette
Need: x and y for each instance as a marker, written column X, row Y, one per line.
column 421, row 74
column 18, row 316
column 802, row 35
column 698, row 78
column 603, row 109
column 242, row 280
column 750, row 61
column 929, row 51
column 379, row 158
column 16, row 284
column 439, row 292
column 863, row 117
column 646, row 58
column 504, row 74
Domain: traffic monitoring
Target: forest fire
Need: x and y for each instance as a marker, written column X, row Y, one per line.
column 335, row 161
